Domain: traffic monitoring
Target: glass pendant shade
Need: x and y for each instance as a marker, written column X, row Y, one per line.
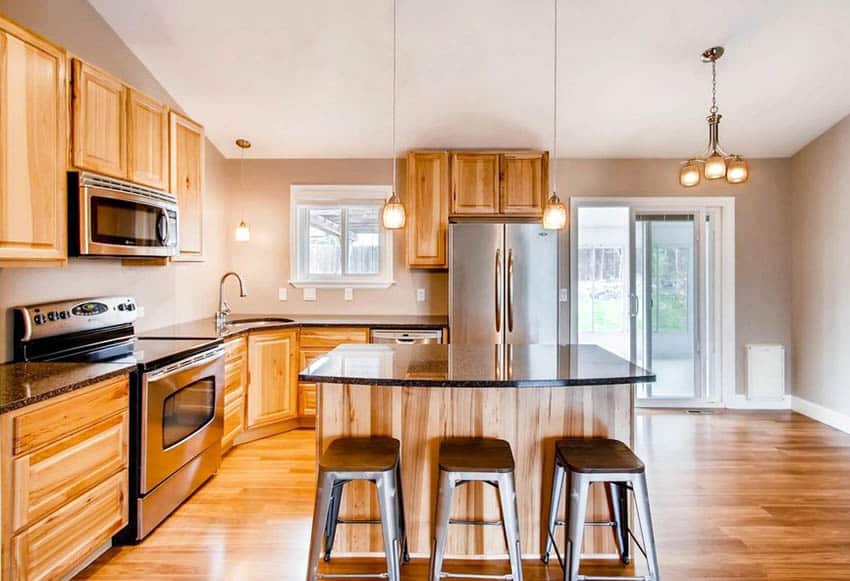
column 715, row 167
column 393, row 215
column 554, row 213
column 737, row 170
column 243, row 233
column 690, row 174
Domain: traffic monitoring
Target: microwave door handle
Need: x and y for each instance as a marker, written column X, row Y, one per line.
column 162, row 226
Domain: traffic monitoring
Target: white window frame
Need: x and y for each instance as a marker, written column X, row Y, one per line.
column 325, row 196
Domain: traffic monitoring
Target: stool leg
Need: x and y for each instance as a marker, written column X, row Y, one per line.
column 642, row 507
column 554, row 503
column 389, row 522
column 620, row 515
column 320, row 515
column 510, row 522
column 445, row 491
column 333, row 518
column 576, row 514
column 402, row 525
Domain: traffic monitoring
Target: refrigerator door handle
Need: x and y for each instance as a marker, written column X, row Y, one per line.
column 510, row 290
column 498, row 278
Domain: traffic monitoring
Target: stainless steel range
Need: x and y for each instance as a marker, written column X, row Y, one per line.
column 176, row 397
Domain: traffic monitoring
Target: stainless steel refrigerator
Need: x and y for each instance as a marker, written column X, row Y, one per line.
column 503, row 283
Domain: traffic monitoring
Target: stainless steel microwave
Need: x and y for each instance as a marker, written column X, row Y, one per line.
column 110, row 217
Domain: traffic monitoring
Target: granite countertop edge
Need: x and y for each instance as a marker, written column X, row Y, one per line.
column 62, row 386
column 521, row 383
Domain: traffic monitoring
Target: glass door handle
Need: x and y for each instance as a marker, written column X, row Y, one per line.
column 634, row 306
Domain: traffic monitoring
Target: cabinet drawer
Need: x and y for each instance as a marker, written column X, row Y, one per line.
column 232, row 396
column 53, row 421
column 235, row 349
column 48, row 478
column 307, row 399
column 307, row 355
column 62, row 541
column 234, row 376
column 330, row 337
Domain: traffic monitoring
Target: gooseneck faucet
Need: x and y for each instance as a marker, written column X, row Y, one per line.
column 223, row 307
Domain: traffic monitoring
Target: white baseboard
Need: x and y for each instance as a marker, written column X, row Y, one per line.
column 742, row 402
column 822, row 414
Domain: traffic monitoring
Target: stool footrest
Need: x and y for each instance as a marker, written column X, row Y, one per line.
column 613, row 578
column 475, row 575
column 365, row 521
column 601, row 523
column 351, row 575
column 486, row 523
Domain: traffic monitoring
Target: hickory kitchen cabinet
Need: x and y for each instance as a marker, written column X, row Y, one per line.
column 187, row 183
column 272, row 377
column 147, row 141
column 33, row 149
column 235, row 388
column 428, row 209
column 475, row 183
column 499, row 183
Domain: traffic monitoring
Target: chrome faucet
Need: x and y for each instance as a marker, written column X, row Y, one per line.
column 223, row 307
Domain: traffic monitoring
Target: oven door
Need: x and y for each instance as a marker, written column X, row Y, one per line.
column 115, row 223
column 182, row 414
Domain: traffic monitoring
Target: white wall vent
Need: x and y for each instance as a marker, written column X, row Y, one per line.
column 765, row 371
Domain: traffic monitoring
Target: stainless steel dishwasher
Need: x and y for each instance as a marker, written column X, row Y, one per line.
column 405, row 337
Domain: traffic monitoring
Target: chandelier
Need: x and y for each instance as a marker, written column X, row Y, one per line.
column 714, row 163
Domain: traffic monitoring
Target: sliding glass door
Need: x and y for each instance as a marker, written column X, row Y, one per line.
column 643, row 283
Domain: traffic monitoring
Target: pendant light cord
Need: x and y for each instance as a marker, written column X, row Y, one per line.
column 395, row 195
column 553, row 172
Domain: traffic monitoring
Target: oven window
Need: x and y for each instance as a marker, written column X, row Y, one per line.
column 186, row 411
column 125, row 223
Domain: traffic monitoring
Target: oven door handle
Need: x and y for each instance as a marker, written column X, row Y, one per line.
column 185, row 364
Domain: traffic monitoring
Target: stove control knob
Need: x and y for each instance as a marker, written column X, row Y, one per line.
column 51, row 316
column 39, row 319
column 121, row 307
column 131, row 307
column 63, row 314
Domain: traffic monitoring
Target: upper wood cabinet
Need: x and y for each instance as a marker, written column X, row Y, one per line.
column 187, row 180
column 273, row 377
column 524, row 183
column 428, row 209
column 475, row 183
column 147, row 141
column 99, row 121
column 33, row 149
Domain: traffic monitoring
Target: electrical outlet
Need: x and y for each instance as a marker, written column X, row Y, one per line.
column 420, row 295
column 281, row 294
column 349, row 293
column 140, row 312
column 564, row 295
column 309, row 293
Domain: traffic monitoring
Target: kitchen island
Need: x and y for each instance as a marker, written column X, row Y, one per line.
column 529, row 395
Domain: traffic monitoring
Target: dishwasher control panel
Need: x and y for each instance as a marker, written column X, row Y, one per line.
column 406, row 337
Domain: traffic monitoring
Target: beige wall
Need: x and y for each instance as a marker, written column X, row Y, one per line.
column 820, row 178
column 174, row 293
column 762, row 241
column 264, row 261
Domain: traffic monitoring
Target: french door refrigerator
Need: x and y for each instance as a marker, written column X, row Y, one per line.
column 503, row 283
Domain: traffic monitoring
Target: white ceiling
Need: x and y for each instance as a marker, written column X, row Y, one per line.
column 314, row 78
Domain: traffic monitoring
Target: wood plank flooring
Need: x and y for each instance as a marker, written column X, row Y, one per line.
column 756, row 495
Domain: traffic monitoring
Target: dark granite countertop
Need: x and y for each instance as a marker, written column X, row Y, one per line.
column 206, row 328
column 23, row 384
column 457, row 365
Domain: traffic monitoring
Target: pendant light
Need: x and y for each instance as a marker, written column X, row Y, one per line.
column 554, row 212
column 714, row 163
column 393, row 215
column 243, row 233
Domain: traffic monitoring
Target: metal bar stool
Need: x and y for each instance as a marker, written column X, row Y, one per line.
column 467, row 460
column 375, row 459
column 589, row 460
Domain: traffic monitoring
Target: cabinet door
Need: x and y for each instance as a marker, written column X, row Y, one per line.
column 428, row 206
column 147, row 141
column 273, row 377
column 475, row 184
column 187, row 183
column 99, row 120
column 235, row 381
column 33, row 148
column 524, row 183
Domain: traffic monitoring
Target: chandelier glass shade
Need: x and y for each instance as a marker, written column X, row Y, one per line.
column 714, row 163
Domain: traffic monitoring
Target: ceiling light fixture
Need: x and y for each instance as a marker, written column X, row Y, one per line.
column 243, row 233
column 714, row 163
column 393, row 216
column 554, row 212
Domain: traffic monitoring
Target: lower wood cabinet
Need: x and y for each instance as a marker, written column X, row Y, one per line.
column 315, row 342
column 64, row 480
column 273, row 377
column 235, row 386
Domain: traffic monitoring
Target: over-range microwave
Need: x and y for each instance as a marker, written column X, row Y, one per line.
column 110, row 217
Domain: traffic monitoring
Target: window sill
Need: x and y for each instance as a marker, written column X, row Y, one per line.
column 340, row 284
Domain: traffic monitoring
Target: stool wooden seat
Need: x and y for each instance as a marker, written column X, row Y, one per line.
column 374, row 454
column 476, row 455
column 597, row 456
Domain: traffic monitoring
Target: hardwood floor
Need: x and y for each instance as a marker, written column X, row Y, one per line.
column 758, row 495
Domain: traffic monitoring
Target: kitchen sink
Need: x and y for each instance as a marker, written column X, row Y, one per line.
column 256, row 322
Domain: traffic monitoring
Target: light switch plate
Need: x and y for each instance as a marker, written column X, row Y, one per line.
column 564, row 295
column 140, row 312
column 420, row 295
column 349, row 293
column 309, row 293
column 281, row 294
